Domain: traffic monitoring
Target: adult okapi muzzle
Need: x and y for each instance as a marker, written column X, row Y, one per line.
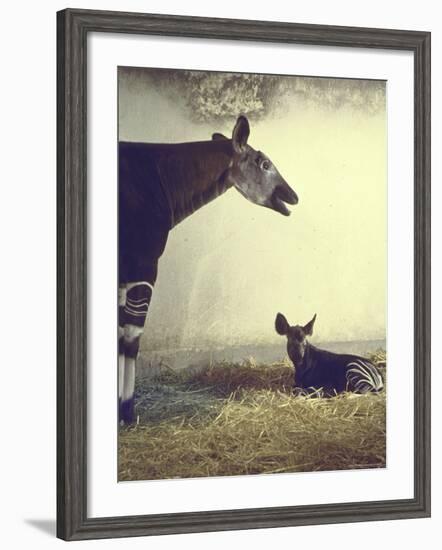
column 254, row 175
column 320, row 370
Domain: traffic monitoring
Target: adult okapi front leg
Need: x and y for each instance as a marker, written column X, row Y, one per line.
column 134, row 300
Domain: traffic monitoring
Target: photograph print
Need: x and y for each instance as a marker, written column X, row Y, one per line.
column 252, row 274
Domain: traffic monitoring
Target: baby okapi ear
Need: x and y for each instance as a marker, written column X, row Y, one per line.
column 308, row 328
column 281, row 324
column 240, row 134
column 217, row 136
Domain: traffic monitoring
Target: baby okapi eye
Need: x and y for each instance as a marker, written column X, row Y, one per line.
column 265, row 165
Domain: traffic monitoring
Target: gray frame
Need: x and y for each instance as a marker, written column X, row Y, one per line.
column 73, row 27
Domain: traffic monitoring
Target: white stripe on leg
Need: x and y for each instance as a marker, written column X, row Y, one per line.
column 132, row 334
column 120, row 356
column 120, row 374
column 129, row 379
column 139, row 283
column 122, row 292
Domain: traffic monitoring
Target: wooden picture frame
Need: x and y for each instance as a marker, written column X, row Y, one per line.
column 73, row 27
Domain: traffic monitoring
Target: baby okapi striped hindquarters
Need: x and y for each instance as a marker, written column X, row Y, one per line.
column 159, row 186
column 320, row 369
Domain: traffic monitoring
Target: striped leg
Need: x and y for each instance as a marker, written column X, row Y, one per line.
column 121, row 303
column 135, row 299
column 362, row 377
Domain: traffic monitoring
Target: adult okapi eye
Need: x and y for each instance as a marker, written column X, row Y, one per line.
column 265, row 165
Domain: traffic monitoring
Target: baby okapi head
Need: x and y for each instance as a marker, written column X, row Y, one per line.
column 296, row 336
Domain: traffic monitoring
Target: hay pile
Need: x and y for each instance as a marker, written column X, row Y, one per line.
column 233, row 419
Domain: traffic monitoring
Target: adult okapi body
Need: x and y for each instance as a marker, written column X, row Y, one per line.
column 318, row 369
column 159, row 186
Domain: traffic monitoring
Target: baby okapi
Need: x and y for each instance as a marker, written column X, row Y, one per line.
column 320, row 370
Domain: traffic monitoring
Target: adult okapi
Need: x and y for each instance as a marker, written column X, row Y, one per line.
column 324, row 372
column 159, row 186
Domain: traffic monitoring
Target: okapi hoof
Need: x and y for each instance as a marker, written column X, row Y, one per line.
column 127, row 411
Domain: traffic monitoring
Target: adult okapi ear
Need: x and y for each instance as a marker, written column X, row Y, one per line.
column 217, row 136
column 281, row 324
column 240, row 134
column 308, row 328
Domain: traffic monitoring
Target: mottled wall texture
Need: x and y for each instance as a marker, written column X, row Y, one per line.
column 231, row 266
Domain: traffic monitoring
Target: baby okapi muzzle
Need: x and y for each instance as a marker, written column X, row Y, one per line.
column 318, row 370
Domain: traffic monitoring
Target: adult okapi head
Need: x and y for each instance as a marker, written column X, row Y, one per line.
column 296, row 336
column 254, row 175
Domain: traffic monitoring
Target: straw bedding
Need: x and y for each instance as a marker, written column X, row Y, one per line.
column 235, row 419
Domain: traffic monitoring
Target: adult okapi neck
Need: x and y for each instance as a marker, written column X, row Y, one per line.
column 193, row 174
